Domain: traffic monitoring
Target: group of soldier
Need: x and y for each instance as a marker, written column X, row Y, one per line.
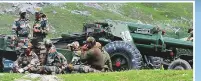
column 41, row 56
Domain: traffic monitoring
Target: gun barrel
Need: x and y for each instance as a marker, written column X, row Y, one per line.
column 171, row 42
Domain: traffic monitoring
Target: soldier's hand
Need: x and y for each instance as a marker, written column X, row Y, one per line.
column 36, row 30
column 21, row 70
column 70, row 66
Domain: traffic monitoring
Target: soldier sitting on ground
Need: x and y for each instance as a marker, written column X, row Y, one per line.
column 106, row 56
column 75, row 48
column 26, row 61
column 40, row 50
column 92, row 58
column 55, row 62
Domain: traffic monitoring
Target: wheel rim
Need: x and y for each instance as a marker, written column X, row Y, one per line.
column 179, row 68
column 119, row 62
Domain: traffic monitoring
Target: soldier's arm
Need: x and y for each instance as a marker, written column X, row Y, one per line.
column 110, row 64
column 14, row 28
column 84, row 56
column 17, row 62
column 63, row 59
column 88, row 54
column 45, row 25
column 30, row 30
column 107, row 60
column 34, row 61
column 64, row 62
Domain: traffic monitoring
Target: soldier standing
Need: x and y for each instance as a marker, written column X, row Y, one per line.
column 40, row 28
column 21, row 27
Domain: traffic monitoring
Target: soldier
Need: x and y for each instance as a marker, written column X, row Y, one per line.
column 92, row 58
column 106, row 56
column 75, row 48
column 107, row 60
column 55, row 61
column 40, row 28
column 21, row 28
column 190, row 37
column 40, row 50
column 26, row 61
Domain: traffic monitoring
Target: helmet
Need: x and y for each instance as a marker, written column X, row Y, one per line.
column 75, row 44
column 91, row 42
column 90, row 39
column 48, row 43
column 22, row 11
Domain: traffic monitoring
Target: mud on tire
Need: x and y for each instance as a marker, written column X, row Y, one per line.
column 126, row 50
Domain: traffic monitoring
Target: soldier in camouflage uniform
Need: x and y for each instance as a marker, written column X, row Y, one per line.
column 75, row 48
column 92, row 58
column 21, row 28
column 107, row 59
column 40, row 50
column 55, row 61
column 26, row 61
column 40, row 28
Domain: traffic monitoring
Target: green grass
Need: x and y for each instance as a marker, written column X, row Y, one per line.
column 64, row 21
column 142, row 75
column 132, row 75
column 9, row 76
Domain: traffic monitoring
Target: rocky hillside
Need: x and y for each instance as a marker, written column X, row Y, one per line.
column 69, row 17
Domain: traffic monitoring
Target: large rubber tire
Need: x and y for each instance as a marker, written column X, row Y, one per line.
column 131, row 53
column 156, row 62
column 179, row 64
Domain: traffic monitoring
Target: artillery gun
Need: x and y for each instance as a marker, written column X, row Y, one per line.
column 134, row 46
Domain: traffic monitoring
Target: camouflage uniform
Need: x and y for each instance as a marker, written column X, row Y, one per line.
column 26, row 62
column 55, row 62
column 106, row 56
column 74, row 47
column 40, row 28
column 21, row 28
column 107, row 61
column 92, row 60
column 91, row 57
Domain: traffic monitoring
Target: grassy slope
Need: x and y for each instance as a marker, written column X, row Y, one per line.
column 64, row 21
column 142, row 75
column 133, row 75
